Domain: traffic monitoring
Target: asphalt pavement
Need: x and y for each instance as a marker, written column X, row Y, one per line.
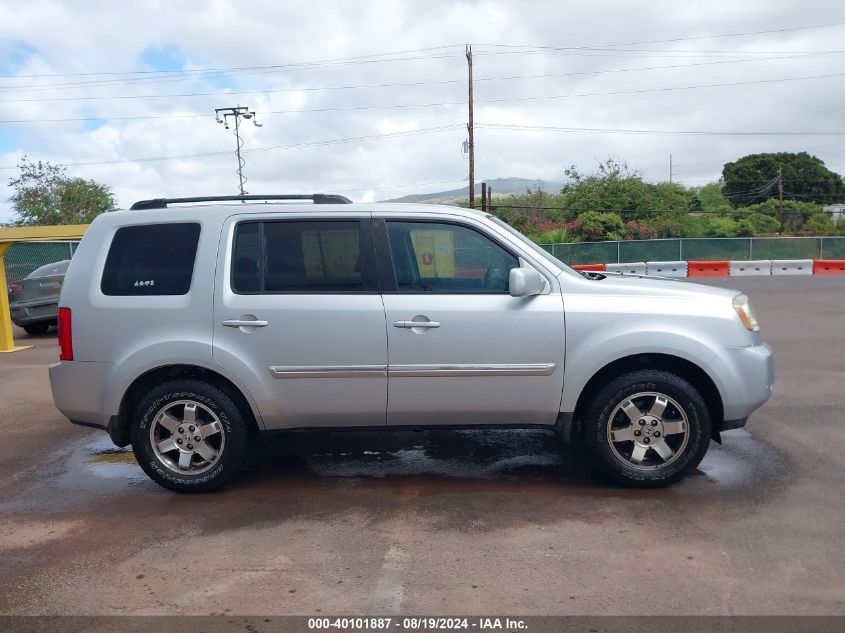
column 447, row 522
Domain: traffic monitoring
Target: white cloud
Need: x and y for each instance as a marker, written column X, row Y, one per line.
column 85, row 37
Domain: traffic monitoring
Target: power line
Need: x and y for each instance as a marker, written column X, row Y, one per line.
column 647, row 90
column 443, row 103
column 340, row 141
column 707, row 37
column 351, row 59
column 203, row 75
column 403, row 186
column 269, row 70
column 662, row 52
column 814, row 195
column 206, row 75
column 591, row 130
column 755, row 193
column 389, row 85
column 373, row 57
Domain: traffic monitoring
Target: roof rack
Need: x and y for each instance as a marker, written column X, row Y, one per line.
column 317, row 198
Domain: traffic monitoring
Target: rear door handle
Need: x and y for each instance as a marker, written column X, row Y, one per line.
column 412, row 324
column 244, row 323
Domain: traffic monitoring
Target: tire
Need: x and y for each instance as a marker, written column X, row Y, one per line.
column 36, row 329
column 167, row 413
column 667, row 430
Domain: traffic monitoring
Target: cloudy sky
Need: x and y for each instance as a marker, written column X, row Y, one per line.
column 369, row 98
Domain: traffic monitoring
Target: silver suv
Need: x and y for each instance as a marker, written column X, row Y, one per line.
column 189, row 330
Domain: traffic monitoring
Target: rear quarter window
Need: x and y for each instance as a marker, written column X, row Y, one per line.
column 154, row 259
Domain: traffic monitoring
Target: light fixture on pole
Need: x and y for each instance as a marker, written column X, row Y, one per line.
column 221, row 115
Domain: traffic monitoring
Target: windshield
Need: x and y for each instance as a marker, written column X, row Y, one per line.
column 539, row 250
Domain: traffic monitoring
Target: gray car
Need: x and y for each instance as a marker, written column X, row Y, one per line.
column 188, row 331
column 34, row 300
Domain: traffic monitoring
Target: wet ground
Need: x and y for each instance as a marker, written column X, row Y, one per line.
column 442, row 522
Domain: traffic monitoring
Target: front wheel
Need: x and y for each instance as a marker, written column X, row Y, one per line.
column 647, row 428
column 189, row 436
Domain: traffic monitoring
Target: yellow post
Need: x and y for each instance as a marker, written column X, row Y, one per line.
column 7, row 341
column 25, row 234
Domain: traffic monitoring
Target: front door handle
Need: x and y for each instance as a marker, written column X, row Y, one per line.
column 244, row 323
column 413, row 324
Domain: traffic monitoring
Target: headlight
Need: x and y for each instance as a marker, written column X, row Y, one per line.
column 746, row 313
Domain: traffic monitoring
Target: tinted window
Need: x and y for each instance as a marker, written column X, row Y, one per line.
column 156, row 259
column 432, row 257
column 300, row 256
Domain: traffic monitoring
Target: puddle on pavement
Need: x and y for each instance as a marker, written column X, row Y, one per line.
column 463, row 454
column 741, row 461
column 99, row 460
column 116, row 457
column 104, row 459
column 507, row 454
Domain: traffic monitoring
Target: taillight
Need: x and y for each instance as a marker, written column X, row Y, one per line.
column 65, row 335
column 15, row 288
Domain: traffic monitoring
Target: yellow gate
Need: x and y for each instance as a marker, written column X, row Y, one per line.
column 25, row 234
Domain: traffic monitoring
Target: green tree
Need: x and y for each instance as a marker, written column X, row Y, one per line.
column 44, row 195
column 793, row 212
column 616, row 187
column 711, row 197
column 754, row 177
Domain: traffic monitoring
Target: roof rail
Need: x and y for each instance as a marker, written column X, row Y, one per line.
column 317, row 198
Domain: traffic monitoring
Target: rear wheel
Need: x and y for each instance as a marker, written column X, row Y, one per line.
column 647, row 429
column 189, row 436
column 36, row 329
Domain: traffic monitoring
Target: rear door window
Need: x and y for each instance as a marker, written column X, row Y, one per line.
column 154, row 259
column 293, row 256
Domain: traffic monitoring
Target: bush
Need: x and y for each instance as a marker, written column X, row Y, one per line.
column 795, row 213
column 554, row 236
column 722, row 227
column 536, row 226
column 819, row 224
column 762, row 223
column 639, row 231
column 596, row 226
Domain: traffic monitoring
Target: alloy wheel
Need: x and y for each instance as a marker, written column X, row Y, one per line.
column 187, row 437
column 648, row 430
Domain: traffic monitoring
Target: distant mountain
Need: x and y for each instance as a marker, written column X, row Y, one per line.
column 501, row 187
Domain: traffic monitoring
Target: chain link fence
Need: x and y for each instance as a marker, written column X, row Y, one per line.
column 24, row 257
column 699, row 248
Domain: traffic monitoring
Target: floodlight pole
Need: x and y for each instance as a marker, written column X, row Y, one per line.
column 221, row 115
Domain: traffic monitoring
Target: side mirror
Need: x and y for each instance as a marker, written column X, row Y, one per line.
column 525, row 282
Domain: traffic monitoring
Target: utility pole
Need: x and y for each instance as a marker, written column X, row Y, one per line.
column 236, row 113
column 670, row 168
column 484, row 197
column 780, row 196
column 470, row 130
